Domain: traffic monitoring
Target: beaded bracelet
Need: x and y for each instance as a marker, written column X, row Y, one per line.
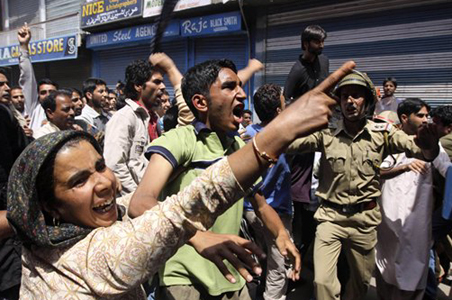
column 264, row 154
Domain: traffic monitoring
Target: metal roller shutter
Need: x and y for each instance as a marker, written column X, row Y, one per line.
column 410, row 40
column 233, row 47
column 67, row 25
column 218, row 47
column 21, row 12
column 112, row 63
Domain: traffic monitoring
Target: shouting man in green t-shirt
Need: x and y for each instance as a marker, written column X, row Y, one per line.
column 214, row 94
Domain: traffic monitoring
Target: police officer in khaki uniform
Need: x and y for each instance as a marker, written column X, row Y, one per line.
column 349, row 185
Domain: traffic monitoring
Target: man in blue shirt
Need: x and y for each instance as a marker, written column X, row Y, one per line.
column 275, row 187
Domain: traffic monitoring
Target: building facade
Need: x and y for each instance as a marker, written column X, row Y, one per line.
column 408, row 39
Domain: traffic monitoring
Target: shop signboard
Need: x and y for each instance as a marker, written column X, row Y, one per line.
column 98, row 12
column 154, row 7
column 58, row 48
column 129, row 35
column 227, row 22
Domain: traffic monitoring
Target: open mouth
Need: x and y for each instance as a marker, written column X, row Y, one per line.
column 105, row 206
column 237, row 111
column 351, row 109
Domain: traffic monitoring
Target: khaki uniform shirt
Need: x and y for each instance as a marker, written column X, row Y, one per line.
column 349, row 168
column 446, row 142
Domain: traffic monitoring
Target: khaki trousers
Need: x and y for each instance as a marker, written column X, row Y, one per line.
column 190, row 292
column 359, row 244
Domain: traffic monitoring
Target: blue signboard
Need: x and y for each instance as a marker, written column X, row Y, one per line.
column 129, row 35
column 45, row 50
column 97, row 12
column 211, row 24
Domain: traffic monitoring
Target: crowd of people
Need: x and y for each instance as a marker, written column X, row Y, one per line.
column 133, row 193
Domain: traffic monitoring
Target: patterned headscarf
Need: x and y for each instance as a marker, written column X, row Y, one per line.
column 24, row 210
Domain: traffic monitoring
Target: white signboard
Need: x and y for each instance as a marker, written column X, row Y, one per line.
column 154, row 7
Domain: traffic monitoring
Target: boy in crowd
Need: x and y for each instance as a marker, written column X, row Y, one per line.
column 388, row 101
column 268, row 103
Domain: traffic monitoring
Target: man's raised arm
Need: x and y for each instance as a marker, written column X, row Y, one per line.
column 27, row 79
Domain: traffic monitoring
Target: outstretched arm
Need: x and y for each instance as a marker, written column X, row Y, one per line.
column 417, row 166
column 27, row 78
column 253, row 66
column 273, row 222
column 147, row 193
column 224, row 183
column 427, row 139
column 309, row 114
column 164, row 62
column 306, row 115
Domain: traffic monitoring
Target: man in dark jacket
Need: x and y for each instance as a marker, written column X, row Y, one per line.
column 13, row 141
column 309, row 70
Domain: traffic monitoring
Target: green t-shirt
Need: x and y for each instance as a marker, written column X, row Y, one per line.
column 190, row 150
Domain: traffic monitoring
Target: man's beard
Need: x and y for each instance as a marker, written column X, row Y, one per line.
column 315, row 52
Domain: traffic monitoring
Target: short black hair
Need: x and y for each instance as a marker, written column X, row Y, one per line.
column 443, row 113
column 170, row 118
column 390, row 79
column 266, row 100
column 50, row 100
column 200, row 78
column 15, row 87
column 4, row 72
column 120, row 101
column 90, row 84
column 411, row 106
column 76, row 90
column 312, row 32
column 47, row 81
column 137, row 73
column 247, row 111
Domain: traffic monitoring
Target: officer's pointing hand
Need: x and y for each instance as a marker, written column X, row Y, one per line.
column 311, row 111
column 427, row 139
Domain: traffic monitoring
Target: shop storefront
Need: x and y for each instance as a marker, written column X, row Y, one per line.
column 187, row 41
column 410, row 40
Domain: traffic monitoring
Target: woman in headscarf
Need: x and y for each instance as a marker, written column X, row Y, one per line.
column 77, row 239
column 78, row 242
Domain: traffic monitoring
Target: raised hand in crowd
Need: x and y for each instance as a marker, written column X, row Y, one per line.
column 253, row 66
column 24, row 36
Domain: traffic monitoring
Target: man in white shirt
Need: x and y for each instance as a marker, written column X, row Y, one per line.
column 59, row 110
column 95, row 92
column 405, row 233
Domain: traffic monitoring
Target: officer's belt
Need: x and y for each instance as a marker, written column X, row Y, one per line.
column 350, row 209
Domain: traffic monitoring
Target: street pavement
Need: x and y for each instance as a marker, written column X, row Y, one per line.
column 304, row 288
